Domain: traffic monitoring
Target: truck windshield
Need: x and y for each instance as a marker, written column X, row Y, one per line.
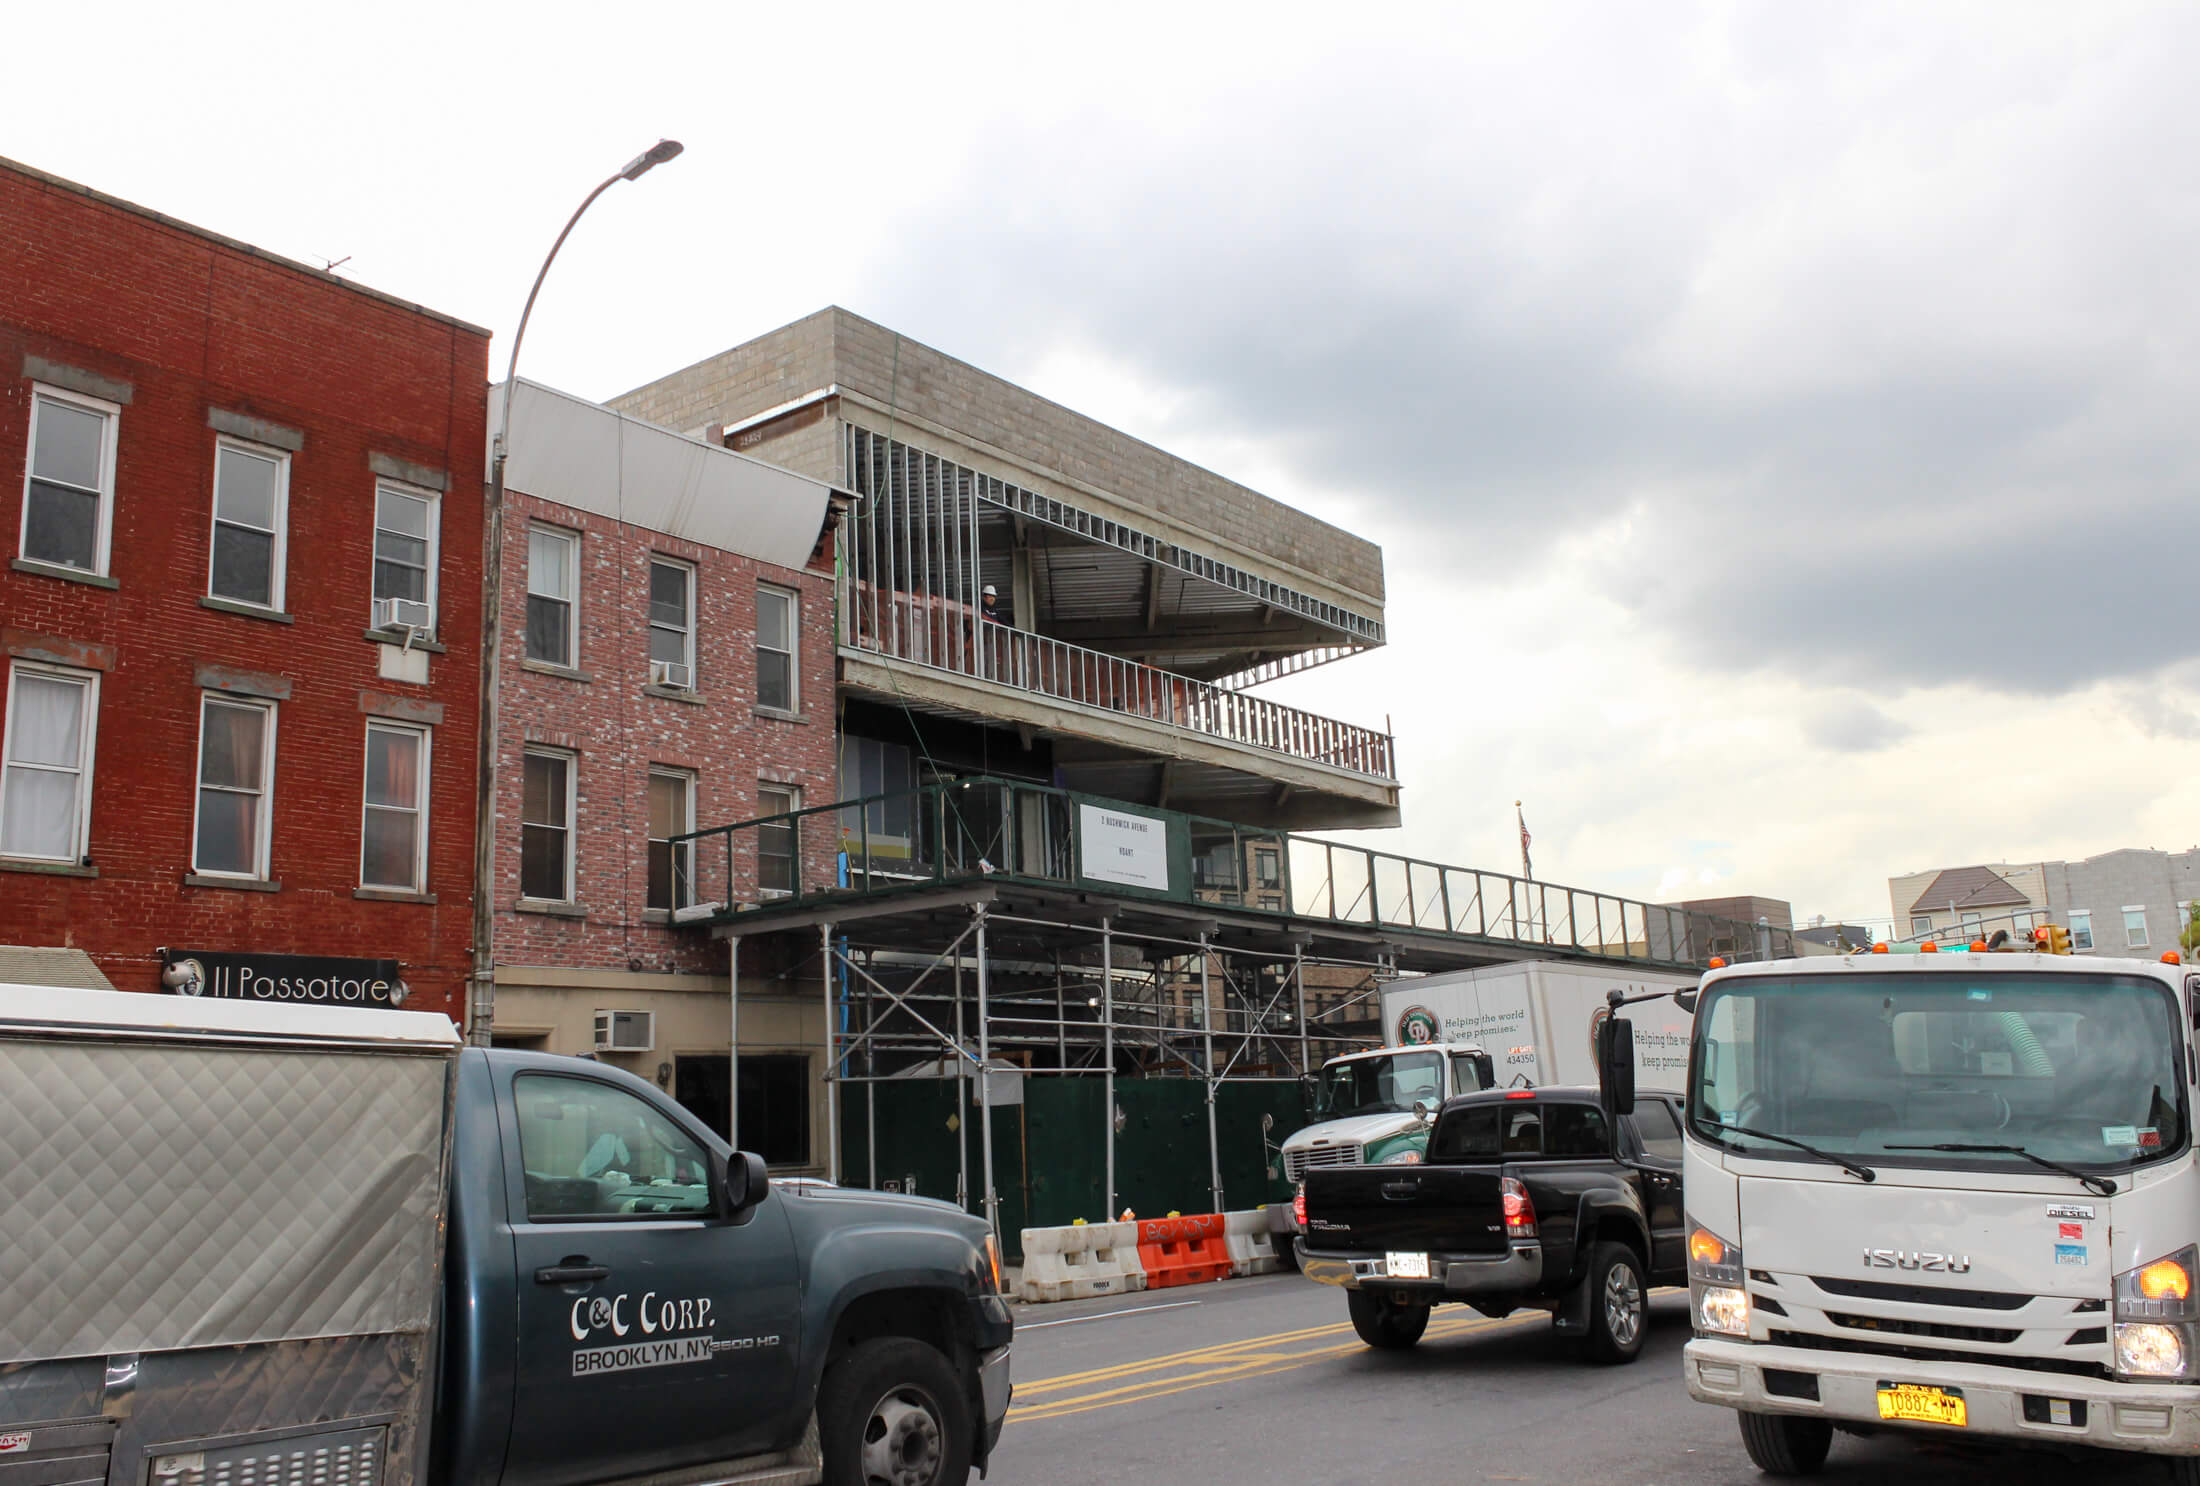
column 1395, row 1081
column 2083, row 1070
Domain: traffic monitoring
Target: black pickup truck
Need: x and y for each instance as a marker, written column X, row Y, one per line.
column 1526, row 1201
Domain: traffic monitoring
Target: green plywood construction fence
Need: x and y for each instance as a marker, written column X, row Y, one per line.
column 1049, row 1152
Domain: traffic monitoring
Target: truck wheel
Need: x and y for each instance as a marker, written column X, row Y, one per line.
column 893, row 1413
column 1619, row 1307
column 1386, row 1324
column 1784, row 1445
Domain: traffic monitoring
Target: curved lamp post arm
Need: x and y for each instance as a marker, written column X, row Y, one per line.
column 481, row 1012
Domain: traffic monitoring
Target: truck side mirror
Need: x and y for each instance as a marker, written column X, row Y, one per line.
column 1485, row 1070
column 1424, row 1110
column 1616, row 1066
column 738, row 1183
column 1686, row 1000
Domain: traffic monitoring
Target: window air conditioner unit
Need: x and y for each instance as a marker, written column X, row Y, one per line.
column 401, row 614
column 626, row 1031
column 677, row 675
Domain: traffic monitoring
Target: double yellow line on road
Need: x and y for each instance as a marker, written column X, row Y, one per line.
column 1205, row 1367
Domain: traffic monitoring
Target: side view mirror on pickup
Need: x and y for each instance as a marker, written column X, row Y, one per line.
column 738, row 1183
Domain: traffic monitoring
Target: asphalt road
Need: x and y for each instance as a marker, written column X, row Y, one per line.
column 1262, row 1380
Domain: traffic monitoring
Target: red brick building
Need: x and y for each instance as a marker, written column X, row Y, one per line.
column 667, row 665
column 239, row 609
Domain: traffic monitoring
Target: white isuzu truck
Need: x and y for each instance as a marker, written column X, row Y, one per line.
column 1949, row 1193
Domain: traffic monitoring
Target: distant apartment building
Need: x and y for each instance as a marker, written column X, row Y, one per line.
column 238, row 754
column 2131, row 901
column 666, row 662
column 1722, row 918
column 1029, row 593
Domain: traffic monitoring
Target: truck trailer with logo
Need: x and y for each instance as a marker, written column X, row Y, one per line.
column 265, row 1244
column 1955, row 1194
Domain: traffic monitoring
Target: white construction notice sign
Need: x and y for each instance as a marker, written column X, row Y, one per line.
column 1115, row 846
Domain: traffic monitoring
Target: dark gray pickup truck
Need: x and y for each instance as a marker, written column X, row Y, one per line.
column 1526, row 1201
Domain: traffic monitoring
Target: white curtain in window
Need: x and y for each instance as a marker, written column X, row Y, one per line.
column 39, row 800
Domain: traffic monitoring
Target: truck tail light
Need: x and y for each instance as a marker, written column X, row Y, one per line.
column 1519, row 1211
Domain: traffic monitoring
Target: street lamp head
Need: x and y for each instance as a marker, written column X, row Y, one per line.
column 656, row 154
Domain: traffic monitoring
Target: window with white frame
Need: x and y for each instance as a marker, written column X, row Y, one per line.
column 1921, row 923
column 671, row 813
column 236, row 779
column 46, row 763
column 393, row 830
column 776, row 839
column 1972, row 924
column 546, row 827
column 251, row 490
column 671, row 624
column 553, row 595
column 2135, row 926
column 777, row 611
column 406, row 533
column 2081, row 928
column 69, row 480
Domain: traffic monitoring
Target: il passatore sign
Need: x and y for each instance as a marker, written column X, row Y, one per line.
column 315, row 979
column 1118, row 847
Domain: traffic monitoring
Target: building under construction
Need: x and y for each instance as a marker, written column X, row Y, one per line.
column 1058, row 944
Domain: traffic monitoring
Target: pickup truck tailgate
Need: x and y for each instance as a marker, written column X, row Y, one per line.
column 1434, row 1209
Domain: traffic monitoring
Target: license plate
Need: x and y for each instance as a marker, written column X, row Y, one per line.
column 1913, row 1403
column 1400, row 1266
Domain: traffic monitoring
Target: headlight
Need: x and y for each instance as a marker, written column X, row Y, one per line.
column 2149, row 1349
column 1717, row 1302
column 1722, row 1310
column 2156, row 1312
column 1406, row 1157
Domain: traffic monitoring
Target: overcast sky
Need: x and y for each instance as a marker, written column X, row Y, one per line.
column 1779, row 420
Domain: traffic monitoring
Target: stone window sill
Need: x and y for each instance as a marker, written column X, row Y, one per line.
column 64, row 573
column 781, row 714
column 549, row 909
column 674, row 694
column 46, row 869
column 656, row 915
column 239, row 884
column 397, row 637
column 544, row 668
column 391, row 895
column 249, row 611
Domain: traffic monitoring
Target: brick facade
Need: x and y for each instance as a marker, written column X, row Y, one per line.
column 616, row 727
column 191, row 337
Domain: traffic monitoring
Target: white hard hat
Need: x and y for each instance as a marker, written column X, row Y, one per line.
column 990, row 593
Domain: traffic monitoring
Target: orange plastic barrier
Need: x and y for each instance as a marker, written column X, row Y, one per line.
column 1183, row 1251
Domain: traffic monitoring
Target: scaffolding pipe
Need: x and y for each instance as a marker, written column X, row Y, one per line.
column 832, row 1073
column 733, row 1041
column 962, row 1098
column 1107, row 1011
column 870, row 1092
column 1207, row 1028
column 1298, row 976
column 985, row 1089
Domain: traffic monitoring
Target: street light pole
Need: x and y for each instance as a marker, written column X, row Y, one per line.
column 481, row 1014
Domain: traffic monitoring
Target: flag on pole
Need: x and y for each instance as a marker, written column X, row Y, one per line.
column 1527, row 864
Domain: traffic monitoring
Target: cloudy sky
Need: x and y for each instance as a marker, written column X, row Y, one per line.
column 1779, row 419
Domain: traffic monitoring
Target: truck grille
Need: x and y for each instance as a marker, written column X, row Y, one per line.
column 2070, row 1366
column 1977, row 1300
column 1295, row 1163
column 1994, row 1335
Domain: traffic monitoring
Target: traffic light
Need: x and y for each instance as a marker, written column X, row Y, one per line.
column 2051, row 939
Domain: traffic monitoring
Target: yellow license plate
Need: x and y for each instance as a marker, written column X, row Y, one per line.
column 1913, row 1403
